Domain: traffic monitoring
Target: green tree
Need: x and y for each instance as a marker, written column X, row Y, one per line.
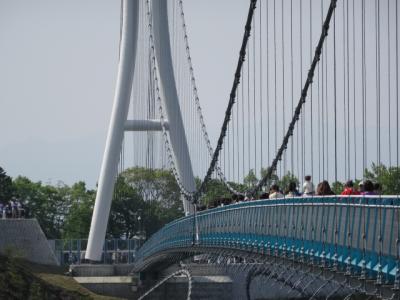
column 387, row 177
column 154, row 185
column 152, row 194
column 53, row 210
column 48, row 204
column 215, row 189
column 77, row 221
column 65, row 212
column 250, row 180
column 5, row 186
column 286, row 180
column 274, row 178
column 337, row 187
column 125, row 206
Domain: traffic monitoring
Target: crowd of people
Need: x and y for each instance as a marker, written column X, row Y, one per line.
column 12, row 209
column 366, row 187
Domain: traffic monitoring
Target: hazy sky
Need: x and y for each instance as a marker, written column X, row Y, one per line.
column 58, row 65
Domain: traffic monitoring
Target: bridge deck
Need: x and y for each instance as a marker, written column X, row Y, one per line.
column 356, row 234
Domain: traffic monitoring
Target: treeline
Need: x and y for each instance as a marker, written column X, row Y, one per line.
column 387, row 177
column 144, row 200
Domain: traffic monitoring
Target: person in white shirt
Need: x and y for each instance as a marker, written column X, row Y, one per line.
column 308, row 186
column 274, row 192
column 4, row 211
column 13, row 205
column 20, row 209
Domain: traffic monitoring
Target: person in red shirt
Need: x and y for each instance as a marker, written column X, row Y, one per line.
column 349, row 189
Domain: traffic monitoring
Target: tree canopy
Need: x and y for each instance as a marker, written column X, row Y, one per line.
column 387, row 177
column 144, row 200
column 5, row 186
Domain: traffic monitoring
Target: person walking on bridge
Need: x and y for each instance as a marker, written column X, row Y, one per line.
column 13, row 205
column 292, row 190
column 324, row 189
column 274, row 192
column 349, row 189
column 368, row 188
column 308, row 186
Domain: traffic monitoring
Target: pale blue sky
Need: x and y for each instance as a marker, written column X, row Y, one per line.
column 58, row 63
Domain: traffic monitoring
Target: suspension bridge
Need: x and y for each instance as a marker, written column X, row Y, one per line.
column 315, row 92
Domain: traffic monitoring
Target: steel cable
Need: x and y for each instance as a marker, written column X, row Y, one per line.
column 302, row 100
column 231, row 101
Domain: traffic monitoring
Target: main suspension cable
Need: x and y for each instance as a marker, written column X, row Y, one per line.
column 231, row 101
column 302, row 100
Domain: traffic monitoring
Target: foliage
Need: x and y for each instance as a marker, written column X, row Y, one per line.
column 77, row 221
column 337, row 187
column 215, row 189
column 125, row 206
column 274, row 178
column 65, row 211
column 387, row 177
column 151, row 194
column 48, row 204
column 143, row 200
column 250, row 180
column 5, row 186
column 154, row 185
column 285, row 180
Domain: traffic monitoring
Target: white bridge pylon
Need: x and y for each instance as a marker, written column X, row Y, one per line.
column 119, row 122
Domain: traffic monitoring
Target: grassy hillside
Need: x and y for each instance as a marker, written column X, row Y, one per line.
column 22, row 280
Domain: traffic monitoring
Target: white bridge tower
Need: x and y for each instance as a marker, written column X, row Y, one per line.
column 119, row 122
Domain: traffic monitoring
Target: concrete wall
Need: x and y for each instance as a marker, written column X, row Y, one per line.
column 24, row 238
column 203, row 288
column 122, row 290
column 108, row 280
column 88, row 270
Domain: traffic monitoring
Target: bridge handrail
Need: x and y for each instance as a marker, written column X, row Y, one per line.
column 359, row 232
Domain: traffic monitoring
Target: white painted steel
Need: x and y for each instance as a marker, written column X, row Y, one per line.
column 126, row 66
column 145, row 125
column 176, row 128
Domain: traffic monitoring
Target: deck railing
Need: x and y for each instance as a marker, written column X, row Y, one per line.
column 115, row 251
column 359, row 235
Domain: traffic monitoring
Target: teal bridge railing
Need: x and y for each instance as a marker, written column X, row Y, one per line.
column 115, row 251
column 358, row 235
